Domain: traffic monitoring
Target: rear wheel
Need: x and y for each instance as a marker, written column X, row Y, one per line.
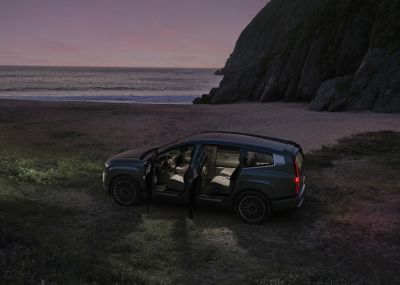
column 126, row 191
column 253, row 207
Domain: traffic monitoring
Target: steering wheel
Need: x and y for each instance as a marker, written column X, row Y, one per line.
column 171, row 162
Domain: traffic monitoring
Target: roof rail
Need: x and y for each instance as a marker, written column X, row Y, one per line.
column 257, row 136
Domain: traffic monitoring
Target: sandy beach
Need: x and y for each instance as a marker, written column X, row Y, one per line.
column 122, row 126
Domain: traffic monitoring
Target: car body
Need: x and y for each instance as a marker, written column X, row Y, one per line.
column 255, row 175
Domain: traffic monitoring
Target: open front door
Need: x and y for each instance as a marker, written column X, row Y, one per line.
column 149, row 179
column 192, row 180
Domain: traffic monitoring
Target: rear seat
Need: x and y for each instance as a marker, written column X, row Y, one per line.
column 227, row 171
column 224, row 177
column 221, row 181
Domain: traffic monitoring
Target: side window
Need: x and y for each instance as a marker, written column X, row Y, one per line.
column 184, row 155
column 221, row 161
column 177, row 156
column 171, row 167
column 227, row 157
column 256, row 159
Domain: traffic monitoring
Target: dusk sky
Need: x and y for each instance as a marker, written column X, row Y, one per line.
column 144, row 33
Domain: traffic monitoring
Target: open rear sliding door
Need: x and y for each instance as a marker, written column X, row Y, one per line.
column 192, row 178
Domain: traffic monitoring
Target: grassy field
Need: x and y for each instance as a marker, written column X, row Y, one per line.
column 57, row 225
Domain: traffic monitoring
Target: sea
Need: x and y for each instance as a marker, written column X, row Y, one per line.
column 106, row 84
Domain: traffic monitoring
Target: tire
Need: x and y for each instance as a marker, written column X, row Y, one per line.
column 126, row 191
column 253, row 207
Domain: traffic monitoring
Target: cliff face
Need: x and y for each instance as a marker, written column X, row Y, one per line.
column 338, row 55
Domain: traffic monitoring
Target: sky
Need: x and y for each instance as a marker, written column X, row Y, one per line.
column 137, row 33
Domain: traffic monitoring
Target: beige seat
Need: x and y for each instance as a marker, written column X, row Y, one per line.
column 227, row 171
column 175, row 182
column 221, row 181
column 181, row 170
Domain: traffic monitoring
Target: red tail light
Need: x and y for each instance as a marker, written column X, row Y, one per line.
column 296, row 178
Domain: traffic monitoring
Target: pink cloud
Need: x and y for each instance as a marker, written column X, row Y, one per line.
column 60, row 47
column 53, row 45
column 184, row 33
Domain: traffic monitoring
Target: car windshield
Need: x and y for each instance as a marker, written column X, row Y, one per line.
column 146, row 155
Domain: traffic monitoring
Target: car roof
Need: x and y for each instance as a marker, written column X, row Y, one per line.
column 237, row 139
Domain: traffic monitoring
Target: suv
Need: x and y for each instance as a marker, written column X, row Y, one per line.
column 255, row 175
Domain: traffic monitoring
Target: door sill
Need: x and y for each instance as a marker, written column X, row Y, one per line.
column 168, row 193
column 210, row 198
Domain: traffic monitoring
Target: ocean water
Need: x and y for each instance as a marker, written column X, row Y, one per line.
column 139, row 85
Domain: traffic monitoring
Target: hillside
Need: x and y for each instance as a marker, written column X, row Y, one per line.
column 337, row 55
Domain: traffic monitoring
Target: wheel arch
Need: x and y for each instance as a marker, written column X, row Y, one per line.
column 131, row 172
column 241, row 191
column 263, row 189
column 120, row 175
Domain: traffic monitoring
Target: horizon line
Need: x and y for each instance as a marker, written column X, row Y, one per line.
column 106, row 66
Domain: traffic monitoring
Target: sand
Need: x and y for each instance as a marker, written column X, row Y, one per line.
column 125, row 126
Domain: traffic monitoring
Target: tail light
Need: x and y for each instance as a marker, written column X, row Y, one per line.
column 296, row 178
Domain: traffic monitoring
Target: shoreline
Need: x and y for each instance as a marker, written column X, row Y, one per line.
column 130, row 125
column 96, row 101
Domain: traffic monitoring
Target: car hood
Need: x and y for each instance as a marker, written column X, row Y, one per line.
column 132, row 153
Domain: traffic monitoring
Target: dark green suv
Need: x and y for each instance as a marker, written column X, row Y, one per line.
column 253, row 174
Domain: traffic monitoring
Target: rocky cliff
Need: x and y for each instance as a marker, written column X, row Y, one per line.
column 336, row 54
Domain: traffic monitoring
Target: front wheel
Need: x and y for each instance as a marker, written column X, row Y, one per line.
column 253, row 207
column 126, row 191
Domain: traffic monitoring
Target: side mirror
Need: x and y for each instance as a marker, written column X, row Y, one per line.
column 148, row 168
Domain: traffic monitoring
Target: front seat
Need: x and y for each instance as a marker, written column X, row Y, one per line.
column 175, row 182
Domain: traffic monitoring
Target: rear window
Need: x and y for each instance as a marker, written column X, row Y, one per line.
column 300, row 160
column 256, row 159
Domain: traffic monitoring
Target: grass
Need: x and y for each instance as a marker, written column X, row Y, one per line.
column 66, row 171
column 383, row 144
column 57, row 225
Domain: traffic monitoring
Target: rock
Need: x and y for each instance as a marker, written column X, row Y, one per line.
column 378, row 81
column 204, row 99
column 329, row 94
column 226, row 94
column 213, row 91
column 375, row 86
column 306, row 50
column 219, row 72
